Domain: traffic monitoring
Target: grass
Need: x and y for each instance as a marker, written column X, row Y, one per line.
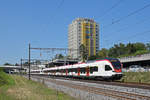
column 19, row 88
column 5, row 79
column 143, row 77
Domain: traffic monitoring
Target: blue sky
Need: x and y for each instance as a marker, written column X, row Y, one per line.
column 44, row 23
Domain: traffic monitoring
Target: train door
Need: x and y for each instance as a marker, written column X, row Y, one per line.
column 66, row 72
column 87, row 71
column 108, row 70
column 62, row 72
column 54, row 72
column 78, row 70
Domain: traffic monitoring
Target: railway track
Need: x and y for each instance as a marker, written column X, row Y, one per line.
column 97, row 90
column 115, row 83
column 125, row 84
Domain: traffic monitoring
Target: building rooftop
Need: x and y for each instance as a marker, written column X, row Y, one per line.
column 61, row 62
column 84, row 19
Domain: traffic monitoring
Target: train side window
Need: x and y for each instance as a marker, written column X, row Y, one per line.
column 107, row 68
column 82, row 70
column 69, row 70
column 64, row 71
column 93, row 69
column 74, row 70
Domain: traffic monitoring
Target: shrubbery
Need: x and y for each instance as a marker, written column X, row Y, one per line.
column 5, row 79
column 123, row 50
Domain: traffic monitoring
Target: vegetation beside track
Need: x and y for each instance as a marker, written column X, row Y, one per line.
column 140, row 77
column 5, row 79
column 13, row 87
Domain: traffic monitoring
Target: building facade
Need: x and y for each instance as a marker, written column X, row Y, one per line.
column 83, row 31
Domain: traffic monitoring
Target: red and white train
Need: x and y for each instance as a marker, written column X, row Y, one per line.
column 106, row 69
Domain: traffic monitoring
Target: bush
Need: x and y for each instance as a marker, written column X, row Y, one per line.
column 5, row 79
column 141, row 52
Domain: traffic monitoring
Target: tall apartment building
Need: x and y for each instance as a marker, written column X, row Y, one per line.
column 83, row 31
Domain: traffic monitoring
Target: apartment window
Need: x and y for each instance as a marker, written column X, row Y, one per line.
column 87, row 32
column 91, row 31
column 91, row 26
column 87, row 37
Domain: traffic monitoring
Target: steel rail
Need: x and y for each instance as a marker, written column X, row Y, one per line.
column 100, row 91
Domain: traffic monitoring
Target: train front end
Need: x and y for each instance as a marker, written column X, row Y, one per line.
column 117, row 69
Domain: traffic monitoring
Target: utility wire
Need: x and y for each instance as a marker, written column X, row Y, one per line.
column 130, row 37
column 125, row 28
column 138, row 34
column 135, row 35
column 130, row 14
column 54, row 14
column 137, row 23
column 110, row 9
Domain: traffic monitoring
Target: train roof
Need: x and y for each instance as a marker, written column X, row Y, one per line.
column 83, row 64
column 90, row 61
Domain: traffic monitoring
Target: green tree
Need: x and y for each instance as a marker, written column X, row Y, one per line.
column 148, row 46
column 59, row 56
column 122, row 49
column 26, row 64
column 93, row 57
column 103, row 53
column 139, row 46
column 130, row 48
column 112, row 52
column 7, row 64
column 83, row 53
column 16, row 64
column 38, row 62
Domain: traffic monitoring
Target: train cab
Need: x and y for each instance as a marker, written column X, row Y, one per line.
column 116, row 69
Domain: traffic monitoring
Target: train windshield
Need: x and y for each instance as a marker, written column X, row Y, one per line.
column 116, row 63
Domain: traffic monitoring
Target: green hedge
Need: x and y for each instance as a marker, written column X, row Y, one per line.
column 5, row 79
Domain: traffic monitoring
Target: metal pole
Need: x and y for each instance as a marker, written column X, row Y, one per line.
column 65, row 58
column 21, row 66
column 29, row 61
